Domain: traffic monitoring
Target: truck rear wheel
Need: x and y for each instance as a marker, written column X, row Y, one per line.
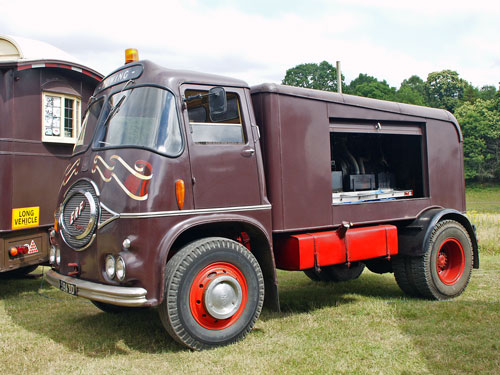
column 403, row 274
column 214, row 292
column 336, row 273
column 444, row 270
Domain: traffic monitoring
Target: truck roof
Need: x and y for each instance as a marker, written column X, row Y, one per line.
column 174, row 77
column 358, row 101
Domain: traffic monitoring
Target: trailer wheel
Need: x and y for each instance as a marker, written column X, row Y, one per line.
column 336, row 273
column 403, row 274
column 445, row 269
column 214, row 292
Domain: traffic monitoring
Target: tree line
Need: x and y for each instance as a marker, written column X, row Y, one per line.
column 476, row 109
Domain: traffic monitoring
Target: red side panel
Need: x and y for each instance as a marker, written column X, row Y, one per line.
column 303, row 251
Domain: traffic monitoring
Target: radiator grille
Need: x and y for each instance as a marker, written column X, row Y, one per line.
column 80, row 215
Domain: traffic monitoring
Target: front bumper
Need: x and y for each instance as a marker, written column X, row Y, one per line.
column 115, row 295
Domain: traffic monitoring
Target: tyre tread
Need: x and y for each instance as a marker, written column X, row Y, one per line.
column 169, row 314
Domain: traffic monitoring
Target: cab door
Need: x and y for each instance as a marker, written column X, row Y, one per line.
column 221, row 149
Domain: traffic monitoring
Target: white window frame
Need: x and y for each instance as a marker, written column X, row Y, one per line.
column 77, row 121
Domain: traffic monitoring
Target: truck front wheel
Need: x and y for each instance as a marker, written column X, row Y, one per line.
column 214, row 291
column 445, row 269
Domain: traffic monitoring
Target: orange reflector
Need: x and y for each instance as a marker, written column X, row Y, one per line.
column 13, row 251
column 180, row 192
column 131, row 55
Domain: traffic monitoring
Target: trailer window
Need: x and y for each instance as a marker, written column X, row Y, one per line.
column 61, row 118
column 142, row 117
column 208, row 128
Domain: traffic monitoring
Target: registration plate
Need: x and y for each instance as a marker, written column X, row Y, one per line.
column 68, row 288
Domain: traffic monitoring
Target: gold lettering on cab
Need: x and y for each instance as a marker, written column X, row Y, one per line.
column 25, row 217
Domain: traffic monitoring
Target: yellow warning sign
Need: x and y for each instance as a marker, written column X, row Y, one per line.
column 25, row 217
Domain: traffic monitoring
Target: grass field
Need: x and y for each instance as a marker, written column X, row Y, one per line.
column 366, row 326
column 483, row 210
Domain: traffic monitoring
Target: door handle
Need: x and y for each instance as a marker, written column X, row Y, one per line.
column 247, row 152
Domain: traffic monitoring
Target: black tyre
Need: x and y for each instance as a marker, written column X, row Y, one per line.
column 336, row 273
column 403, row 274
column 379, row 266
column 214, row 291
column 314, row 275
column 342, row 272
column 445, row 269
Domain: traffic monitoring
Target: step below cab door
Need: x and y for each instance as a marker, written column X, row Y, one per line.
column 222, row 150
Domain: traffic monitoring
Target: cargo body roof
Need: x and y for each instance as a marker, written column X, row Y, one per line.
column 358, row 101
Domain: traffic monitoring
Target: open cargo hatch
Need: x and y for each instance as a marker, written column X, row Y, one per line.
column 375, row 160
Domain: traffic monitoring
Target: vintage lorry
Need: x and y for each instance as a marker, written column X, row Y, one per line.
column 186, row 191
column 43, row 92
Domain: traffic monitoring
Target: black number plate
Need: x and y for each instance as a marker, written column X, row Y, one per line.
column 68, row 288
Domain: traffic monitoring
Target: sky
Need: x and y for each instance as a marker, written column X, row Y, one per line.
column 258, row 40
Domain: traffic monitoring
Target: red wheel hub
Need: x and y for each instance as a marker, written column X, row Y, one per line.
column 450, row 261
column 218, row 296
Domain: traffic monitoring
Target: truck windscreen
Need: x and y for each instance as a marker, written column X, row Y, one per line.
column 143, row 117
column 88, row 126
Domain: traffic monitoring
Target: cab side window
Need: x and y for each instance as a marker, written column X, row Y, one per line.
column 209, row 128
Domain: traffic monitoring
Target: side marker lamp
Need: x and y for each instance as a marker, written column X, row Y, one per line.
column 180, row 193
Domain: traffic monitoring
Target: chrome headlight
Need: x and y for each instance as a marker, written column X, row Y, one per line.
column 110, row 266
column 58, row 256
column 52, row 255
column 120, row 268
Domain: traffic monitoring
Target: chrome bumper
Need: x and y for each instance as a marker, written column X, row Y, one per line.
column 115, row 295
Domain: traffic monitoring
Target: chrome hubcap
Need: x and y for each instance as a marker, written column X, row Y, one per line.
column 222, row 297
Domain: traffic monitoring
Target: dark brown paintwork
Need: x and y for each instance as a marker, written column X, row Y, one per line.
column 292, row 169
column 296, row 125
column 31, row 170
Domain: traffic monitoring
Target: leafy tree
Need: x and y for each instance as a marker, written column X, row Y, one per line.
column 480, row 122
column 471, row 94
column 370, row 87
column 412, row 91
column 445, row 89
column 487, row 92
column 322, row 76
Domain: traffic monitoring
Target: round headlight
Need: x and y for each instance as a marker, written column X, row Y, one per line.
column 110, row 266
column 58, row 256
column 120, row 268
column 52, row 255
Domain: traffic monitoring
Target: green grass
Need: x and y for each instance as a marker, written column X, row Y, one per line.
column 483, row 210
column 483, row 198
column 366, row 326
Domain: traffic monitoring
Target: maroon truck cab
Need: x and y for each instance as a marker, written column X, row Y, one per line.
column 41, row 101
column 186, row 191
